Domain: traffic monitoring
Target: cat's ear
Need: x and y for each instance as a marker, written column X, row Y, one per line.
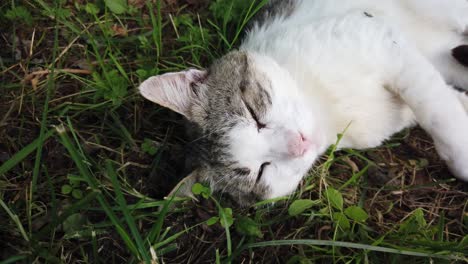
column 184, row 187
column 174, row 90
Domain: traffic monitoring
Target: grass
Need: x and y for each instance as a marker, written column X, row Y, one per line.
column 85, row 162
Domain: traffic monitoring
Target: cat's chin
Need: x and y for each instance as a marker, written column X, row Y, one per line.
column 302, row 166
column 287, row 183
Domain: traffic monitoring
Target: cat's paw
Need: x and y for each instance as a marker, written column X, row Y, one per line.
column 456, row 158
column 458, row 164
column 459, row 170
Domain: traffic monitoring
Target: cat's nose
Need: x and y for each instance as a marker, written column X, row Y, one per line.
column 298, row 144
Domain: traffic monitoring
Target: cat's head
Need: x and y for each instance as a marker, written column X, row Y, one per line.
column 253, row 135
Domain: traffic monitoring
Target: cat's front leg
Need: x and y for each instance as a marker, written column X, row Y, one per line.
column 436, row 107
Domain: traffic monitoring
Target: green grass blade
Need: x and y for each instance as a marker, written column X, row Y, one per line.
column 249, row 14
column 78, row 159
column 45, row 111
column 155, row 233
column 14, row 259
column 156, row 22
column 15, row 219
column 356, row 176
column 311, row 242
column 175, row 236
column 142, row 205
column 226, row 228
column 120, row 129
column 23, row 153
column 128, row 217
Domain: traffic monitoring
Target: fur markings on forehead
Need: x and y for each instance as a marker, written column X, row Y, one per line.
column 232, row 64
column 252, row 91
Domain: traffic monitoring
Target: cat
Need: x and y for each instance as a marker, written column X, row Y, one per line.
column 308, row 70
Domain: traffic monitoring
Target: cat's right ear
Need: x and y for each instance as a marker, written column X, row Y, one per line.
column 174, row 90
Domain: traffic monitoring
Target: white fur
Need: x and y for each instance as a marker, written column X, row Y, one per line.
column 329, row 66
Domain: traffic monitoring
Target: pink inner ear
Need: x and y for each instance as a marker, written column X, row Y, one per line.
column 173, row 90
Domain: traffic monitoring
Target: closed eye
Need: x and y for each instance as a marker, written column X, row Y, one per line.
column 260, row 171
column 260, row 125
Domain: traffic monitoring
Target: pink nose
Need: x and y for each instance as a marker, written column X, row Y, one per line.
column 298, row 144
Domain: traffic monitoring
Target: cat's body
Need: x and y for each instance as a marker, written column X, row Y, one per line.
column 306, row 71
column 345, row 59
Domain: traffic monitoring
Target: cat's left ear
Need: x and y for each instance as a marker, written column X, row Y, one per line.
column 176, row 91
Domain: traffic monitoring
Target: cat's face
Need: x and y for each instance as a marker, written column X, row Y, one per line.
column 254, row 137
